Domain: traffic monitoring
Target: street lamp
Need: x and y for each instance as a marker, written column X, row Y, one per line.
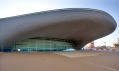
column 105, row 44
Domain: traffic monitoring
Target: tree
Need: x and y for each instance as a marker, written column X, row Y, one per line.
column 116, row 44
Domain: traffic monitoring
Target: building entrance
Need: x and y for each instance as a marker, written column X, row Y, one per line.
column 42, row 44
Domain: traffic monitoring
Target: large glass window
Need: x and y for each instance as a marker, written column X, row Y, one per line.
column 42, row 44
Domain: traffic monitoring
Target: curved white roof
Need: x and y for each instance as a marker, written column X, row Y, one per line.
column 79, row 25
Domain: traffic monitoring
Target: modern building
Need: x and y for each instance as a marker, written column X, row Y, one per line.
column 54, row 30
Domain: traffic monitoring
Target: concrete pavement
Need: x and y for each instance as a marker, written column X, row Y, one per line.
column 56, row 61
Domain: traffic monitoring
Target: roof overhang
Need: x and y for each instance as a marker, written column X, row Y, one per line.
column 81, row 25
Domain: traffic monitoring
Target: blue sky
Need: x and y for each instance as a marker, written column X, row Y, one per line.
column 18, row 7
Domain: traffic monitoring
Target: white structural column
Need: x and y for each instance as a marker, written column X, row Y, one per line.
column 36, row 46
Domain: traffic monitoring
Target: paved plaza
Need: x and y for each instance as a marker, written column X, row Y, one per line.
column 60, row 61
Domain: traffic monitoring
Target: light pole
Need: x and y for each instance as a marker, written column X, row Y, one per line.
column 118, row 40
column 105, row 44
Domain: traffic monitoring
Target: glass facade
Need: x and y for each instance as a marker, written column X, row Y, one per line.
column 42, row 44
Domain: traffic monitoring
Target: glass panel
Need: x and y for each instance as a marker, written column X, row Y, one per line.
column 42, row 44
